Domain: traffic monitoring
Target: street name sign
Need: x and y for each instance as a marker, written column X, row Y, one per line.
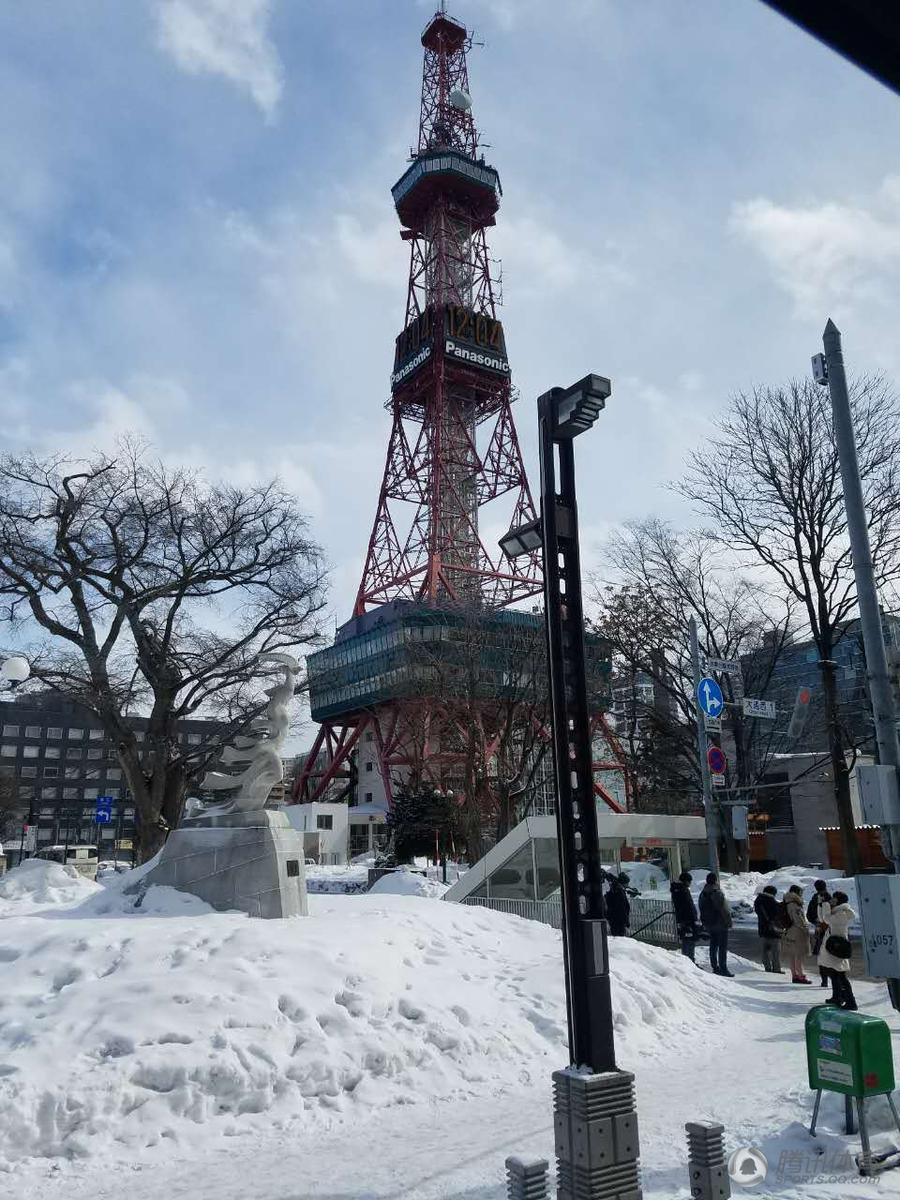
column 764, row 709
column 726, row 666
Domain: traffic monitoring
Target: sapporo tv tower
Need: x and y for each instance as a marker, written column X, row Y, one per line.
column 430, row 583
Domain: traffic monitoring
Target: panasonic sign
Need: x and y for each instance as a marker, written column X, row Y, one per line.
column 476, row 358
column 410, row 367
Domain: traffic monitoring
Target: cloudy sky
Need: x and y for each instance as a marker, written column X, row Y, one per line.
column 197, row 241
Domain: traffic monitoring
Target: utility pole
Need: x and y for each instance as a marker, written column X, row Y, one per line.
column 712, row 823
column 863, row 571
column 879, row 895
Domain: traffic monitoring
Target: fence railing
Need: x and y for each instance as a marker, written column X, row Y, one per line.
column 651, row 920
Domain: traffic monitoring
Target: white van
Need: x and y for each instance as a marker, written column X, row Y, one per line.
column 83, row 858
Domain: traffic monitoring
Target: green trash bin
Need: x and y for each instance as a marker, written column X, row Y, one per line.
column 850, row 1053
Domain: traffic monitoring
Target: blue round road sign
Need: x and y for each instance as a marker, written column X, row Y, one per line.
column 709, row 697
column 715, row 756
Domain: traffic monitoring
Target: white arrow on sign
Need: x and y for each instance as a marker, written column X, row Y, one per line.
column 712, row 697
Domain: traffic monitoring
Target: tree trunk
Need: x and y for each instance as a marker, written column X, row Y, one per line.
column 841, row 773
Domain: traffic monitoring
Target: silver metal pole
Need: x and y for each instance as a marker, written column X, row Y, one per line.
column 863, row 571
column 712, row 824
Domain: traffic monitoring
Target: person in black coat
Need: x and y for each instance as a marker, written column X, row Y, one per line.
column 686, row 920
column 715, row 914
column 770, row 920
column 618, row 906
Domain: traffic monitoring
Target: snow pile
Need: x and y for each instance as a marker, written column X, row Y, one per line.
column 742, row 890
column 646, row 877
column 170, row 1024
column 408, row 883
column 36, row 883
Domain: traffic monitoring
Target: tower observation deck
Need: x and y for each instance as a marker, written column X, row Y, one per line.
column 453, row 468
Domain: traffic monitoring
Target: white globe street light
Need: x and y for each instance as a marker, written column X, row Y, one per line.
column 15, row 670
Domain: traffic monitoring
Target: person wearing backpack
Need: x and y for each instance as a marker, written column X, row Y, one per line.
column 819, row 905
column 796, row 939
column 834, row 957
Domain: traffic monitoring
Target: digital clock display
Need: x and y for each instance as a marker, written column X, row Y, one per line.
column 470, row 338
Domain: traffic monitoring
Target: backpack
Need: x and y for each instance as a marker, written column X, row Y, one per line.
column 812, row 910
column 782, row 917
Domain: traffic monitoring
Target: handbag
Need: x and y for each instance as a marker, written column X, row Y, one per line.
column 838, row 946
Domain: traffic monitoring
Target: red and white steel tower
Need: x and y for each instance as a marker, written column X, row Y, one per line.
column 453, row 448
column 452, row 453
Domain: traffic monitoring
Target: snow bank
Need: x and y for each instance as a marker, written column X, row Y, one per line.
column 646, row 877
column 36, row 883
column 122, row 1029
column 408, row 883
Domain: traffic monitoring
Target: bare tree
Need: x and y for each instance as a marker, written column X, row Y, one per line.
column 152, row 591
column 770, row 481
column 666, row 576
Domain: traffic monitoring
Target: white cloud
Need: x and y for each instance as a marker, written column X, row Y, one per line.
column 827, row 252
column 224, row 37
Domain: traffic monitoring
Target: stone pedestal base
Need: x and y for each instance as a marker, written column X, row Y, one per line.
column 250, row 861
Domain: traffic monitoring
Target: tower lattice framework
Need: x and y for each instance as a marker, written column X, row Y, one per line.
column 453, row 448
column 452, row 453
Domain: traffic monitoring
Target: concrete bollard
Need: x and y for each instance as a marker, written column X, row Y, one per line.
column 526, row 1178
column 706, row 1161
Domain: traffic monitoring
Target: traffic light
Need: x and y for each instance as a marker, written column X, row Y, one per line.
column 800, row 713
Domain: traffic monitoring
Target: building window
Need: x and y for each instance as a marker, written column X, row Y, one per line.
column 8, row 751
column 113, row 773
column 70, row 794
column 32, row 731
column 95, row 754
column 90, row 793
column 48, row 812
column 54, row 732
column 325, row 821
column 73, row 772
column 10, row 731
column 92, row 773
column 29, row 772
column 51, row 772
column 49, row 793
column 51, row 752
column 30, row 751
column 368, row 797
column 193, row 739
column 74, row 752
column 76, row 733
column 369, row 766
column 96, row 735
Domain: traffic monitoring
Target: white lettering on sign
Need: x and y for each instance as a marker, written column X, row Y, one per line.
column 728, row 666
column 422, row 356
column 835, row 1072
column 476, row 357
column 718, row 780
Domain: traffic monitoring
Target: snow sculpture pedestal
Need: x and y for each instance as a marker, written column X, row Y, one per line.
column 250, row 861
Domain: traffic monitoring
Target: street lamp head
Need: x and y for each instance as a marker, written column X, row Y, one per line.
column 820, row 369
column 525, row 539
column 15, row 670
column 578, row 407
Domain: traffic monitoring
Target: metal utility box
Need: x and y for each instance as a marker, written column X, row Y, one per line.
column 879, row 915
column 878, row 794
column 848, row 1052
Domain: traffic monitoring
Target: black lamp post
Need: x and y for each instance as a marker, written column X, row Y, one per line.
column 595, row 1119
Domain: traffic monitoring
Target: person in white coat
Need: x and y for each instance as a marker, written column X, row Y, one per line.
column 834, row 958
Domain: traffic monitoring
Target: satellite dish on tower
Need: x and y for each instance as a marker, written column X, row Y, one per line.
column 460, row 100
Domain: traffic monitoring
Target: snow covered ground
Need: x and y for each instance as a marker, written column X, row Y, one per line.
column 388, row 1046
